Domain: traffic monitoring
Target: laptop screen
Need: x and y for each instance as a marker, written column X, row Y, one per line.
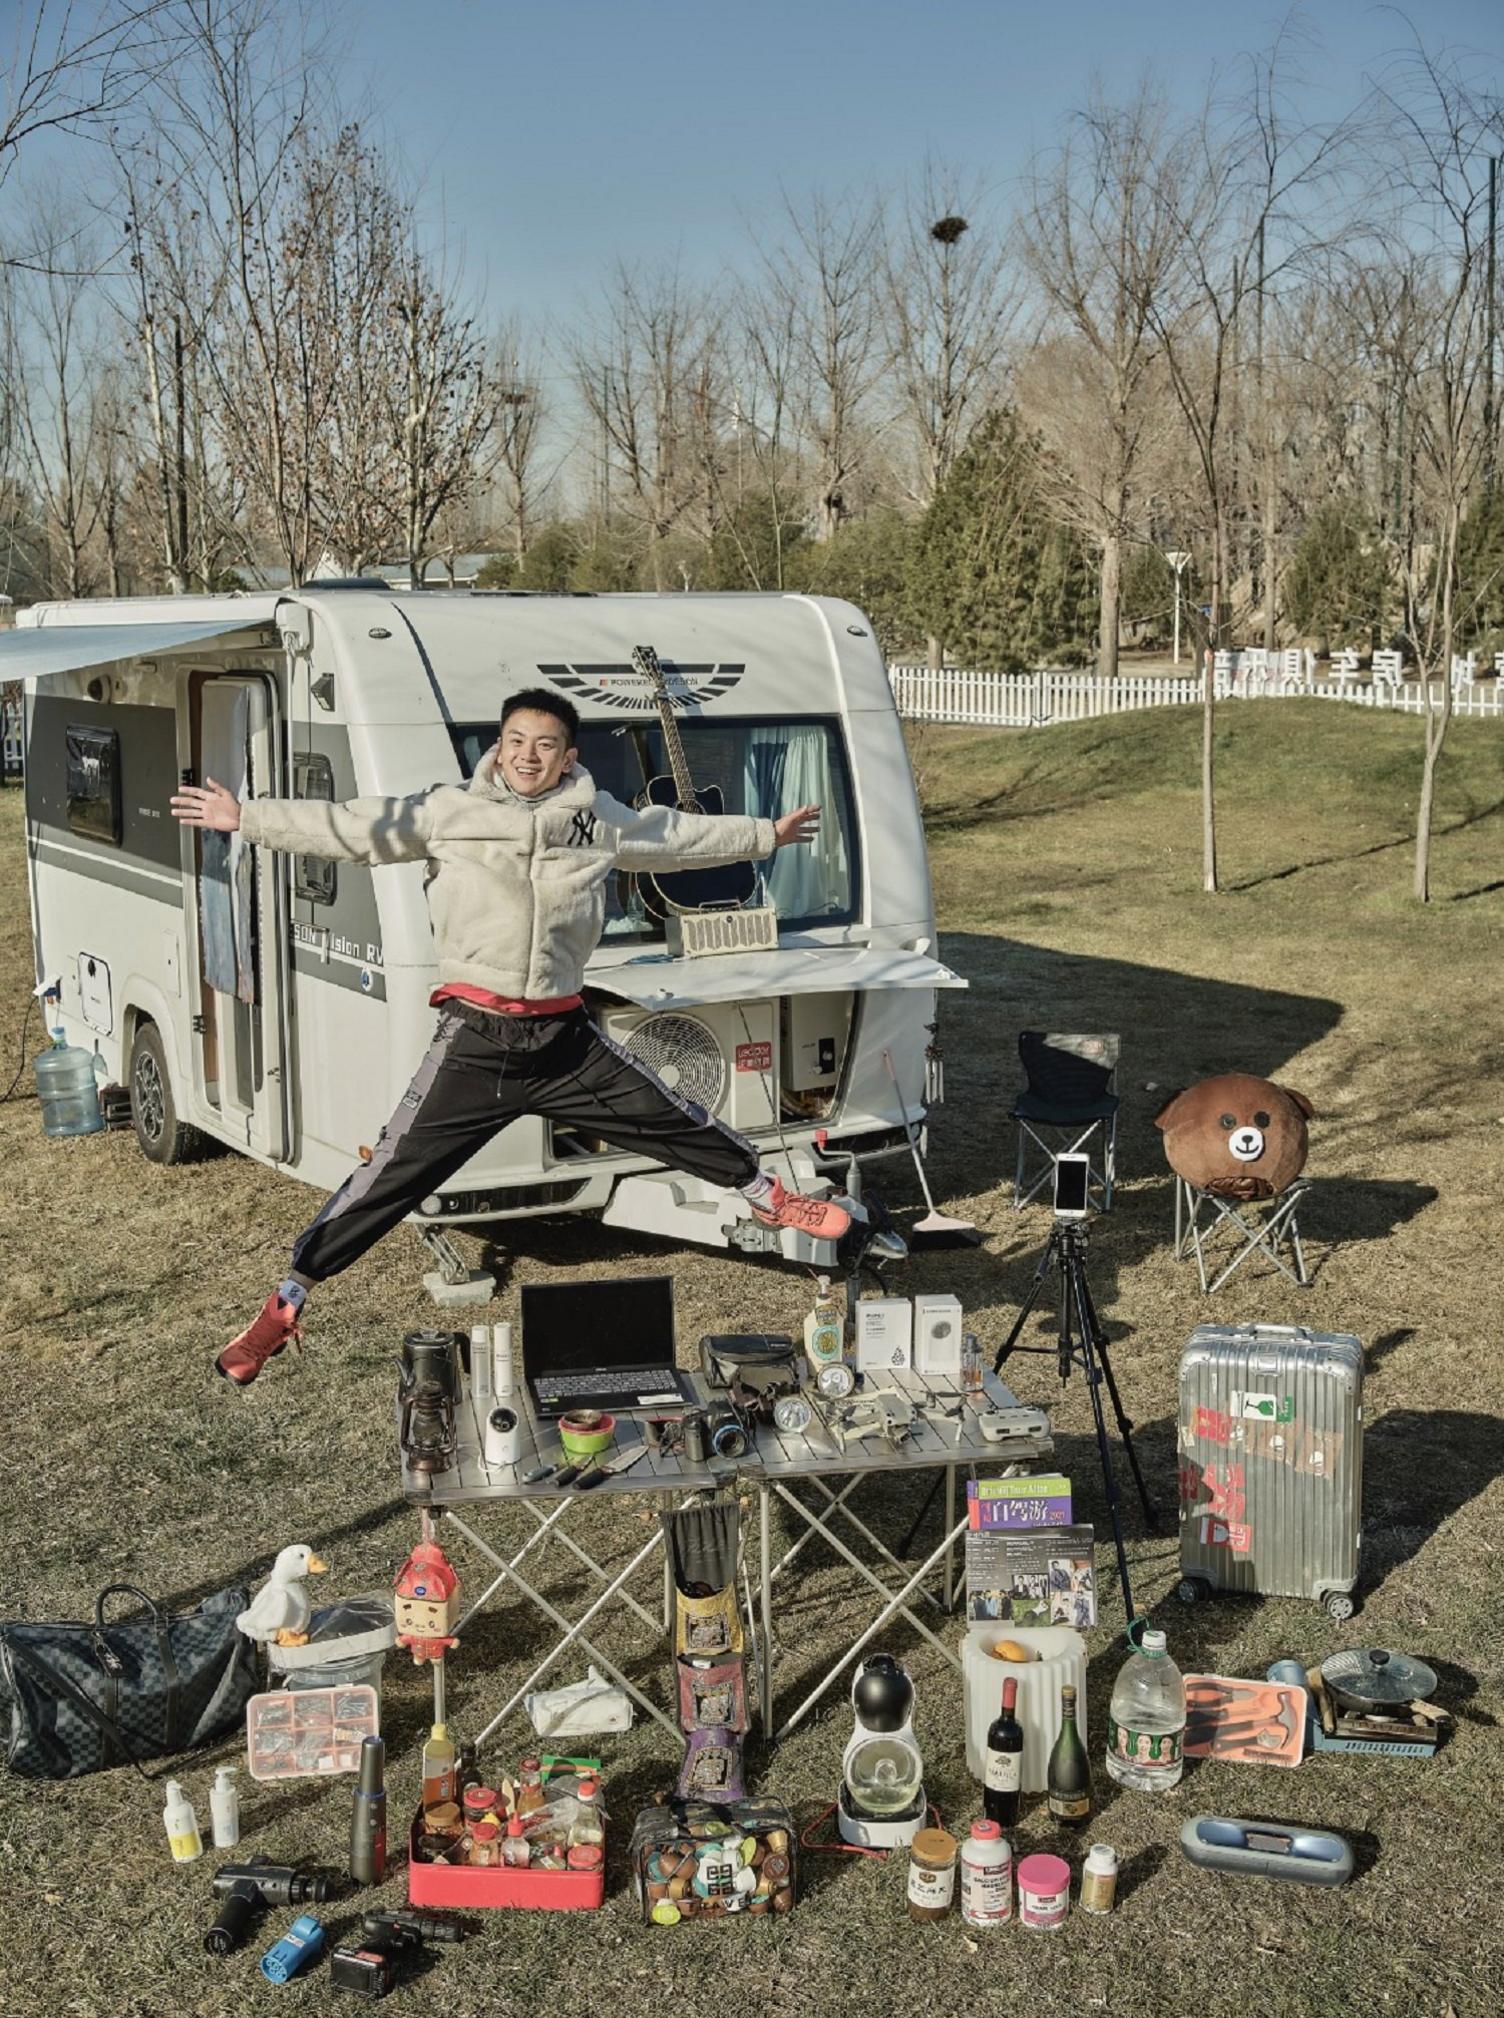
column 589, row 1327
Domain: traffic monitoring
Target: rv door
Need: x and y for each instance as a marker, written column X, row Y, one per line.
column 238, row 918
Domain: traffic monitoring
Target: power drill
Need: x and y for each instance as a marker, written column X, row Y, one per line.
column 251, row 1888
column 373, row 1964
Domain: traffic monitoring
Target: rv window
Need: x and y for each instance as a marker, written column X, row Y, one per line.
column 312, row 877
column 762, row 767
column 94, row 783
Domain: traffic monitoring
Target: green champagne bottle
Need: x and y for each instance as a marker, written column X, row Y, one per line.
column 1068, row 1775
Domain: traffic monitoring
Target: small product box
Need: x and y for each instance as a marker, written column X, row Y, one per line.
column 884, row 1334
column 473, row 1886
column 938, row 1338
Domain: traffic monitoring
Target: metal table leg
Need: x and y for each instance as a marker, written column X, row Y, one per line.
column 765, row 1652
column 950, row 1553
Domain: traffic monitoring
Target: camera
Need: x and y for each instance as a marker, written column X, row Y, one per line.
column 726, row 1430
column 1072, row 1187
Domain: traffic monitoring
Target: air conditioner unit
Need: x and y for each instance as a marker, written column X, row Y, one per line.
column 724, row 1056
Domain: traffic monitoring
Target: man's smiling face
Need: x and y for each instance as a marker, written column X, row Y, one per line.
column 535, row 752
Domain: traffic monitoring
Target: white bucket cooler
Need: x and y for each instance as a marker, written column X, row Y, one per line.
column 1061, row 1662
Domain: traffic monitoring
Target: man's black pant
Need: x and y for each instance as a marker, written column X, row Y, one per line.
column 482, row 1071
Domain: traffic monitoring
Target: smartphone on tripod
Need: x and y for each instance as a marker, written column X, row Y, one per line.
column 1072, row 1187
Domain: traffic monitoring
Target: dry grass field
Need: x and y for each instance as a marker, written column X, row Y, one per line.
column 1066, row 867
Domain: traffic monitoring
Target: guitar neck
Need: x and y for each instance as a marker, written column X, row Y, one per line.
column 646, row 661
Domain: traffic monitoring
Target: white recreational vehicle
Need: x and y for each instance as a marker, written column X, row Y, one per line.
column 279, row 1003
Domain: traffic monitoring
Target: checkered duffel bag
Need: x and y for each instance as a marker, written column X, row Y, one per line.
column 82, row 1697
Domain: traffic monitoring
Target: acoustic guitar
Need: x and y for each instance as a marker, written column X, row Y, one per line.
column 664, row 892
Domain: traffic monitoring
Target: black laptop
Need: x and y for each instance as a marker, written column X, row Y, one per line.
column 601, row 1344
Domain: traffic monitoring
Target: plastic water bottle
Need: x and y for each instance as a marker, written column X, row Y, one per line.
column 1146, row 1723
column 68, row 1089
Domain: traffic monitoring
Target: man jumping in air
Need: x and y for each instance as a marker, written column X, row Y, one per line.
column 517, row 868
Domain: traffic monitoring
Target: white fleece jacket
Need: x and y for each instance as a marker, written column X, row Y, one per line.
column 516, row 887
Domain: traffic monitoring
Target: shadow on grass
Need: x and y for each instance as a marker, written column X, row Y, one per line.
column 1468, row 819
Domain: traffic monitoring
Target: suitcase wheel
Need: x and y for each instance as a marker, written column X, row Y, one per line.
column 1191, row 1590
column 1339, row 1604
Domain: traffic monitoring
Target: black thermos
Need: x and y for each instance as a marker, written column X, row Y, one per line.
column 368, row 1822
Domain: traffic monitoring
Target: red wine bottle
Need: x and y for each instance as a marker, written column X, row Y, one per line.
column 1005, row 1761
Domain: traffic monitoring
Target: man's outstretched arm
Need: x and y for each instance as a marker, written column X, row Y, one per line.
column 372, row 830
column 661, row 837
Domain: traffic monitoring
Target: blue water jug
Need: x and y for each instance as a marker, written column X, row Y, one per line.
column 68, row 1091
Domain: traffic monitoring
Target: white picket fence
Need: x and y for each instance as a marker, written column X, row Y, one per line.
column 1032, row 700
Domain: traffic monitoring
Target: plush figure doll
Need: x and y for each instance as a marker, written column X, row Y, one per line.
column 1236, row 1136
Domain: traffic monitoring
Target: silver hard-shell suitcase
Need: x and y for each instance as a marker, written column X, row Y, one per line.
column 1271, row 1463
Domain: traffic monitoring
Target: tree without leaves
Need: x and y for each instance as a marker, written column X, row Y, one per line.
column 1443, row 133
column 1099, row 239
column 818, row 291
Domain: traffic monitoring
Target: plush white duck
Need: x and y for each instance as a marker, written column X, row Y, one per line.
column 281, row 1609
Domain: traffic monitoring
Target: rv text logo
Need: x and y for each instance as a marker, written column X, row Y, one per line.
column 689, row 687
column 581, row 831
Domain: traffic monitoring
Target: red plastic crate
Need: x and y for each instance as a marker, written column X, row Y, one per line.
column 466, row 1886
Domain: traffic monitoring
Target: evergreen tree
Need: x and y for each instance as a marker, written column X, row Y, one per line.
column 1480, row 578
column 984, row 577
column 866, row 561
column 754, row 543
column 1337, row 581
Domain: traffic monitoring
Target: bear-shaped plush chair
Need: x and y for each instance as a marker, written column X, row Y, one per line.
column 1236, row 1136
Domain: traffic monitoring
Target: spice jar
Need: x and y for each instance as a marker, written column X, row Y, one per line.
column 478, row 1802
column 443, row 1819
column 485, row 1845
column 932, row 1874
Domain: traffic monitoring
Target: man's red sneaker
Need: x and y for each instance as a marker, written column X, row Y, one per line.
column 815, row 1216
column 263, row 1338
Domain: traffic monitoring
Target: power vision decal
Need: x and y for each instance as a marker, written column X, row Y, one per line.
column 622, row 686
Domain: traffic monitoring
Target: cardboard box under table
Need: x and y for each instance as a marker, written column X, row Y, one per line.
column 778, row 1465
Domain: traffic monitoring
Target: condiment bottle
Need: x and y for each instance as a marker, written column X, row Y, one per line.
column 530, row 1794
column 440, row 1770
column 183, row 1838
column 587, row 1826
column 932, row 1874
column 469, row 1773
column 986, row 1877
column 485, row 1846
column 515, row 1848
column 1099, row 1879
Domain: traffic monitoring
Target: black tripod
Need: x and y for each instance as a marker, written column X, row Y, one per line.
column 1066, row 1246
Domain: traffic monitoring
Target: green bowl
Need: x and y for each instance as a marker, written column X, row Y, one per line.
column 582, row 1441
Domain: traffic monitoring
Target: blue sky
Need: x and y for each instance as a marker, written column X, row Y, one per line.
column 557, row 138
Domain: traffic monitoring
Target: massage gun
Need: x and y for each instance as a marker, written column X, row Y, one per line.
column 251, row 1888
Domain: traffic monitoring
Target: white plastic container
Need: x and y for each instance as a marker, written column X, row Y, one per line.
column 68, row 1091
column 181, row 1824
column 480, row 1361
column 501, row 1360
column 1062, row 1659
column 224, row 1809
column 986, row 1877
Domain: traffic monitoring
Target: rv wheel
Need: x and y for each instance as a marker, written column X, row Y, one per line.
column 163, row 1138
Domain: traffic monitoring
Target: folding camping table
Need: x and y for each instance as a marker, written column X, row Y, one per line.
column 661, row 1480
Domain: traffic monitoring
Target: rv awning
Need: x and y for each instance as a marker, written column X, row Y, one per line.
column 655, row 981
column 33, row 654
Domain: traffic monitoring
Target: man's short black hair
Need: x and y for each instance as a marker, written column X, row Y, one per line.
column 539, row 701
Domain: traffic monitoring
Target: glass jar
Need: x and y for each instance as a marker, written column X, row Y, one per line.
column 485, row 1844
column 478, row 1802
column 932, row 1874
column 530, row 1795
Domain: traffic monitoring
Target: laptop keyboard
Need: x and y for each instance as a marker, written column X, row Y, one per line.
column 557, row 1386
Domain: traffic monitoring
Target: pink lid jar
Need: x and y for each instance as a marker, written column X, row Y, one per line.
column 1044, row 1892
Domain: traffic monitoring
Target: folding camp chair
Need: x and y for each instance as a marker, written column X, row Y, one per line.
column 1255, row 1226
column 1067, row 1097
